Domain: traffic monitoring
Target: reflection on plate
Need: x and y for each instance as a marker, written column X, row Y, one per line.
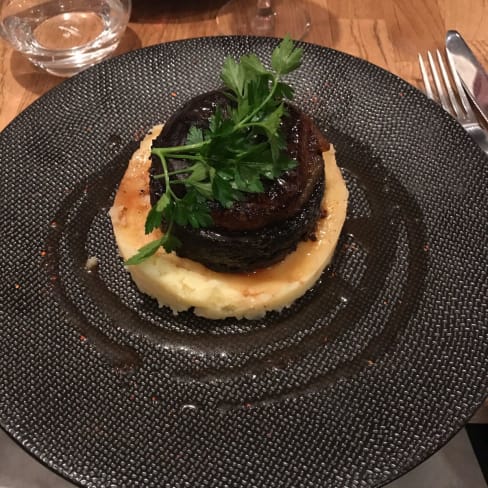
column 364, row 377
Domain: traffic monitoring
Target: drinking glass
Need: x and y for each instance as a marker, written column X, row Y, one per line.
column 64, row 37
column 264, row 18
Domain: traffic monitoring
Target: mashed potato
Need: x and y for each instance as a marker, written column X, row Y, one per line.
column 181, row 284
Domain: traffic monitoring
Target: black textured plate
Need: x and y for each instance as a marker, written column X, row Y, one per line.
column 363, row 378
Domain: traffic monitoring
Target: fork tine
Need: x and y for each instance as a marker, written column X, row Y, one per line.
column 438, row 84
column 425, row 78
column 447, row 83
column 459, row 86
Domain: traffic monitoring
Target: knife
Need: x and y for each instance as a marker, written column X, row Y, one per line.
column 470, row 71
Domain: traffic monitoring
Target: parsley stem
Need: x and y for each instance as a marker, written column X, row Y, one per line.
column 178, row 149
column 186, row 156
column 165, row 170
column 167, row 233
column 189, row 169
column 167, row 181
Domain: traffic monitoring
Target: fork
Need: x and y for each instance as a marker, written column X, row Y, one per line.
column 464, row 114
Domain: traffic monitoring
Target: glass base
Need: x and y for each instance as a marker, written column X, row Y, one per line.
column 242, row 17
column 67, row 65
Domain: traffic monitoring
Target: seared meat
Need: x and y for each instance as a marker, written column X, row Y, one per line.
column 265, row 227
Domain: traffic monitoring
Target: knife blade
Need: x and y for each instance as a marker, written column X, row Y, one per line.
column 470, row 71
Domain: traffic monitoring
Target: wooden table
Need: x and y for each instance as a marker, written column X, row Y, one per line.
column 388, row 33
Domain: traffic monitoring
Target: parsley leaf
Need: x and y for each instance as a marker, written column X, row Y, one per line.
column 233, row 75
column 195, row 135
column 144, row 252
column 155, row 215
column 286, row 57
column 190, row 210
column 170, row 242
column 199, row 172
column 223, row 191
column 253, row 66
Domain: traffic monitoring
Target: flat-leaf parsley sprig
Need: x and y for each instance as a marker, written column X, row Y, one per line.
column 243, row 146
